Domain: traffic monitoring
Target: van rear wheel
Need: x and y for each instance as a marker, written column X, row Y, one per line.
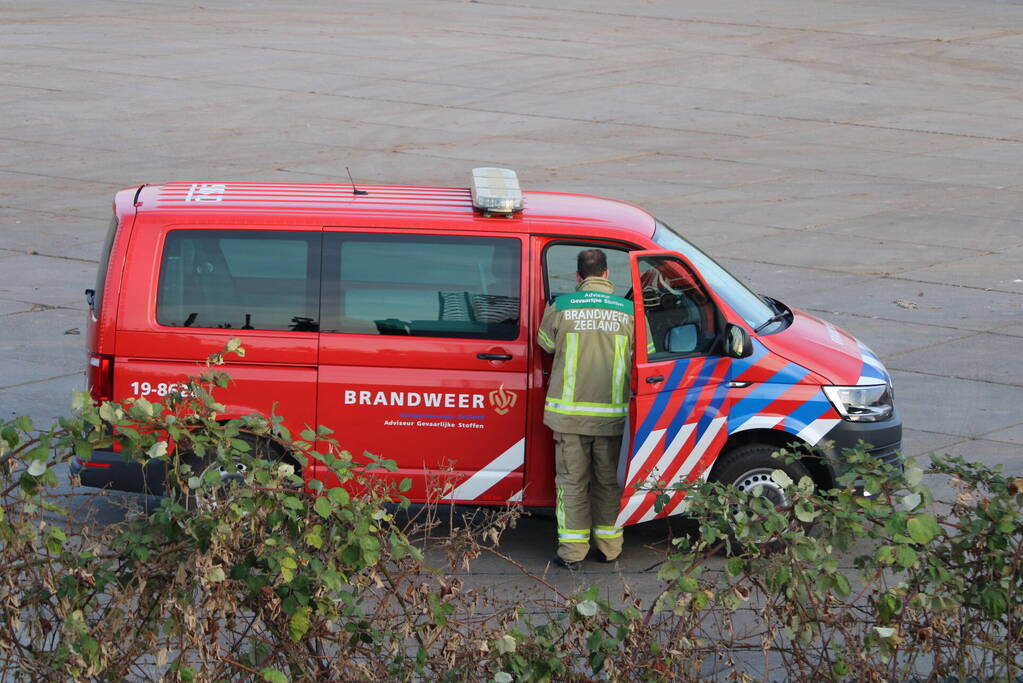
column 230, row 476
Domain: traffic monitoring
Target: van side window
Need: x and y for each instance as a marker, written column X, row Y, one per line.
column 560, row 264
column 422, row 285
column 681, row 318
column 240, row 279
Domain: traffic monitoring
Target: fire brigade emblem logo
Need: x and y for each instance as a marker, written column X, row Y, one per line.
column 502, row 401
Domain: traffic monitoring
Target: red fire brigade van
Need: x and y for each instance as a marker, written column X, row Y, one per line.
column 405, row 318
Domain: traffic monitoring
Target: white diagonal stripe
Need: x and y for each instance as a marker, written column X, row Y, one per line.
column 816, row 430
column 643, row 453
column 759, row 422
column 496, row 470
column 681, row 505
column 694, row 457
column 637, row 463
column 671, row 451
column 634, row 500
column 699, row 449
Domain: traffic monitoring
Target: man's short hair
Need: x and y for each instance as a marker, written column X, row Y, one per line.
column 591, row 263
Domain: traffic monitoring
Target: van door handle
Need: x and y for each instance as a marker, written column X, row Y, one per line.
column 494, row 356
column 655, row 380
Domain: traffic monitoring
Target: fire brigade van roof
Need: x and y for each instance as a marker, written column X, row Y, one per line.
column 282, row 204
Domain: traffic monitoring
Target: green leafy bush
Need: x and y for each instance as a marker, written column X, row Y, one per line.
column 242, row 574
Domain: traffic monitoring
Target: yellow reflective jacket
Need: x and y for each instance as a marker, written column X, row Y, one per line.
column 590, row 332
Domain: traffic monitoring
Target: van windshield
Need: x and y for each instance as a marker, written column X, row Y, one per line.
column 104, row 263
column 754, row 310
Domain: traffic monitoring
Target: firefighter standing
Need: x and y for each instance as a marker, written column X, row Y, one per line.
column 590, row 333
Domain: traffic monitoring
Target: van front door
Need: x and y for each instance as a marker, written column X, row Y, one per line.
column 678, row 413
column 423, row 359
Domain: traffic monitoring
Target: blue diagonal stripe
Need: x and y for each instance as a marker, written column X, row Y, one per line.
column 741, row 365
column 678, row 371
column 766, row 393
column 809, row 411
column 692, row 396
column 713, row 408
column 871, row 371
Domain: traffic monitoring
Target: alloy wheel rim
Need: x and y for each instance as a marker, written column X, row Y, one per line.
column 760, row 477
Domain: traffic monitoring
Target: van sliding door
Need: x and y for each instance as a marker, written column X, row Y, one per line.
column 423, row 359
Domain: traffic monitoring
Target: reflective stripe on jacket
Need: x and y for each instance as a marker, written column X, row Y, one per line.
column 590, row 333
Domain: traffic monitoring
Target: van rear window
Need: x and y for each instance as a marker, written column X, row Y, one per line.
column 240, row 279
column 422, row 285
column 104, row 264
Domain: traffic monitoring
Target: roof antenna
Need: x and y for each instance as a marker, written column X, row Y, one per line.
column 355, row 191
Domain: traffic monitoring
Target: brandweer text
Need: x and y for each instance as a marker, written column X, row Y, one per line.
column 412, row 399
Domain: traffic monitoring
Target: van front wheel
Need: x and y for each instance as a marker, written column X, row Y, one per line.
column 749, row 469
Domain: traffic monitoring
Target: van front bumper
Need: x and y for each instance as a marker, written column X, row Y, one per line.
column 883, row 441
column 109, row 470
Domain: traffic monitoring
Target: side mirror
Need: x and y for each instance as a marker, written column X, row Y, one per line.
column 682, row 339
column 737, row 342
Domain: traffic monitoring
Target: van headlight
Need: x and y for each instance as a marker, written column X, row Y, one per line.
column 862, row 404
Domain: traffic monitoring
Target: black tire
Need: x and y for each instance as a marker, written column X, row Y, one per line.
column 261, row 448
column 749, row 467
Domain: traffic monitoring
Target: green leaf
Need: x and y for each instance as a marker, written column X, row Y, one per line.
column 587, row 608
column 273, row 676
column 299, row 624
column 994, row 602
column 144, row 406
column 288, row 567
column 80, row 399
column 913, row 475
column 912, row 501
column 884, row 631
column 905, row 556
column 322, row 507
column 215, row 574
column 842, row 587
column 781, row 478
column 887, row 607
column 37, row 467
column 10, row 435
column 83, row 449
column 157, row 450
column 110, row 413
column 805, row 513
column 505, row 644
column 922, row 528
column 687, row 584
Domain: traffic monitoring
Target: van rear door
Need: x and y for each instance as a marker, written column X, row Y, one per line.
column 423, row 357
column 193, row 288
